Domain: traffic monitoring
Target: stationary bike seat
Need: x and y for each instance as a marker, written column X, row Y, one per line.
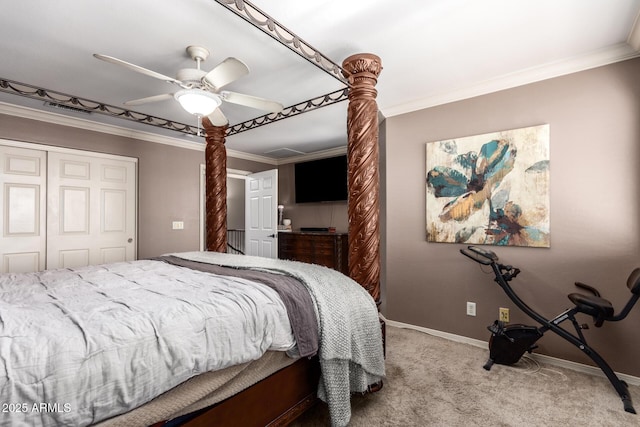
column 600, row 308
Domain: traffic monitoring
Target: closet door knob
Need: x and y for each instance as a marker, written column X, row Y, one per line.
column 130, row 240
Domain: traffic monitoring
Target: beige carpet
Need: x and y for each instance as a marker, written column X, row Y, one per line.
column 432, row 381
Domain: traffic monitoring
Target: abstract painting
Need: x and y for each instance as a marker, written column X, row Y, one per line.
column 490, row 189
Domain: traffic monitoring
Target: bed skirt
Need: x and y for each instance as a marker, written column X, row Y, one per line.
column 201, row 391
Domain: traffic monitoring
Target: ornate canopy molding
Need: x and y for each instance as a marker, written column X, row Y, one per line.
column 282, row 35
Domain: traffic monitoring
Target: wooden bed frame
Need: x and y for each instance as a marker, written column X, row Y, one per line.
column 275, row 401
column 282, row 397
column 295, row 392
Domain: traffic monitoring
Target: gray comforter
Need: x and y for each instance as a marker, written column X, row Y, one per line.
column 351, row 355
column 78, row 346
column 295, row 297
column 81, row 345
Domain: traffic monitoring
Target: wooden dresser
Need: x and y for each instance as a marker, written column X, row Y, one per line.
column 328, row 249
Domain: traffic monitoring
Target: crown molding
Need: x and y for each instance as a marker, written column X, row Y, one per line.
column 253, row 157
column 80, row 123
column 634, row 35
column 620, row 52
column 617, row 53
column 332, row 152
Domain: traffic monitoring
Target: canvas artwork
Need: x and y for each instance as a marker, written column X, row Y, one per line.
column 490, row 189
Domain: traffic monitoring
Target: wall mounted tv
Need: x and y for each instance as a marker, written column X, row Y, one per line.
column 322, row 180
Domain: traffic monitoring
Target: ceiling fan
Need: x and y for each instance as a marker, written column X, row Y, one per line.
column 200, row 92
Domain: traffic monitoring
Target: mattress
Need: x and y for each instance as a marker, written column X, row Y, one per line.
column 78, row 346
column 81, row 346
column 201, row 391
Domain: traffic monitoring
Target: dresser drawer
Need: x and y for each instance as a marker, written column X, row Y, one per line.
column 328, row 249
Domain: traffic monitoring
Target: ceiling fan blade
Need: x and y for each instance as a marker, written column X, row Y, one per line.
column 225, row 72
column 217, row 118
column 251, row 101
column 137, row 68
column 149, row 99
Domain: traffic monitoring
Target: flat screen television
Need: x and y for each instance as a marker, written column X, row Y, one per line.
column 322, row 180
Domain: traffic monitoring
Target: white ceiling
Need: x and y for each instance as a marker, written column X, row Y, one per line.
column 432, row 51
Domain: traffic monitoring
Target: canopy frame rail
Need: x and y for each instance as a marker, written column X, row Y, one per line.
column 81, row 105
column 284, row 36
column 77, row 104
column 293, row 110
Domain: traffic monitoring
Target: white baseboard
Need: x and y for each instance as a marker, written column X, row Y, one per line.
column 554, row 361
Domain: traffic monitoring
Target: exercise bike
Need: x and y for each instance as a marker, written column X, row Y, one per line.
column 509, row 342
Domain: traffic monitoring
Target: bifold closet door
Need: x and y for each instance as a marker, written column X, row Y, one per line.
column 91, row 210
column 23, row 177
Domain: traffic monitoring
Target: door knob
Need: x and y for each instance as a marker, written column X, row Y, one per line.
column 129, row 240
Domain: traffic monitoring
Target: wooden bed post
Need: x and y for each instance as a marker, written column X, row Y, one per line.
column 216, row 186
column 362, row 70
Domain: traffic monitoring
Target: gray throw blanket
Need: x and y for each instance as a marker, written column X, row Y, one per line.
column 294, row 295
column 351, row 356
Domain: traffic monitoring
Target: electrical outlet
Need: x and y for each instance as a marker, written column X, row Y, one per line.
column 471, row 308
column 177, row 225
column 503, row 314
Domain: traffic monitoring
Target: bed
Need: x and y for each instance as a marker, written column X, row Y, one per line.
column 111, row 338
column 361, row 72
column 272, row 383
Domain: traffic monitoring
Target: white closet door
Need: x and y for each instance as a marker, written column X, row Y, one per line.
column 91, row 210
column 23, row 175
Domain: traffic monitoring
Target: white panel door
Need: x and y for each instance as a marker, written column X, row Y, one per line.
column 91, row 210
column 261, row 217
column 23, row 175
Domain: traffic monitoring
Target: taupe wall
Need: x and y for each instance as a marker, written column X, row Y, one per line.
column 594, row 119
column 168, row 179
column 235, row 203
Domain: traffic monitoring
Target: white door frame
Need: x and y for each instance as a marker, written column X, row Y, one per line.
column 54, row 148
column 231, row 173
column 203, row 207
column 72, row 151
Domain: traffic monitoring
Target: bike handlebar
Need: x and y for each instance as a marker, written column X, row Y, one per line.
column 510, row 272
column 487, row 257
column 480, row 255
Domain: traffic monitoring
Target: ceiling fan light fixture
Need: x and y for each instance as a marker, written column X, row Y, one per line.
column 197, row 101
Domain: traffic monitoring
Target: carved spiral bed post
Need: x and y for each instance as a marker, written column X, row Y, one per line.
column 362, row 70
column 216, row 186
